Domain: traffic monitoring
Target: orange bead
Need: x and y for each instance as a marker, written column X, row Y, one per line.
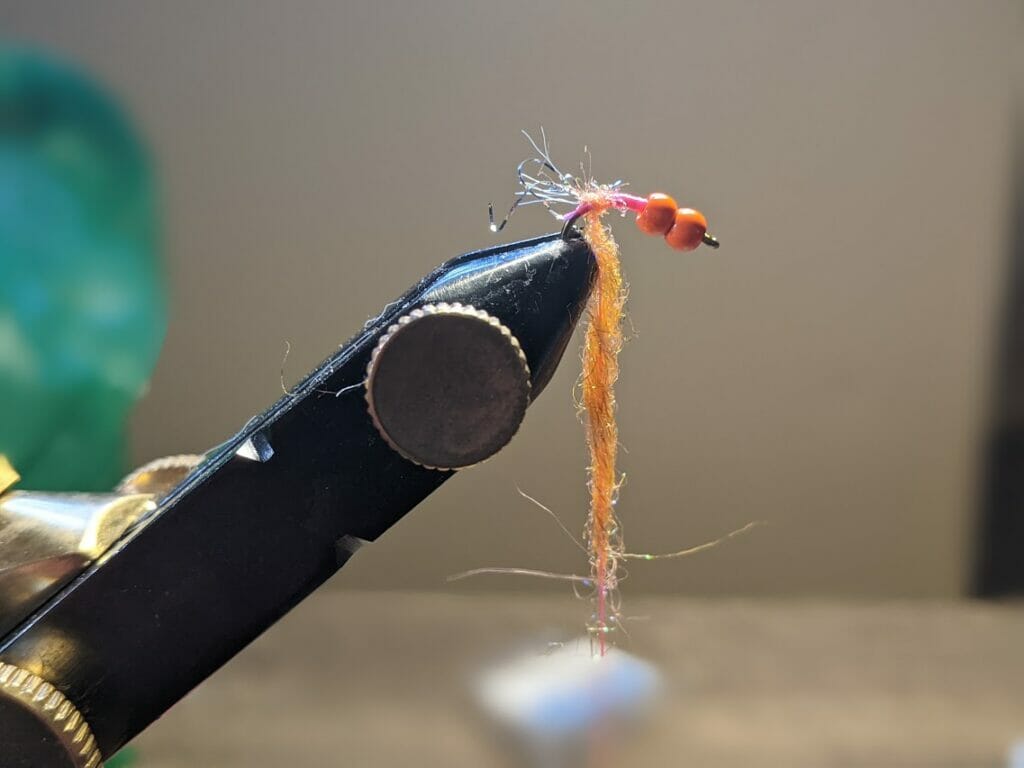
column 658, row 215
column 687, row 230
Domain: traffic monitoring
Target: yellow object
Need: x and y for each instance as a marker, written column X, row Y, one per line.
column 8, row 475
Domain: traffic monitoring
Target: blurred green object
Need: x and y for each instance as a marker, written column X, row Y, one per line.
column 82, row 299
column 126, row 758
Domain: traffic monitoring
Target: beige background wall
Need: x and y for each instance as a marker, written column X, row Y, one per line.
column 824, row 371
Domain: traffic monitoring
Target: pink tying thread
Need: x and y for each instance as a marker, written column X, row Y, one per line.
column 619, row 200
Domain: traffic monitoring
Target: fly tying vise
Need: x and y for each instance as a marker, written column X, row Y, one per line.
column 684, row 229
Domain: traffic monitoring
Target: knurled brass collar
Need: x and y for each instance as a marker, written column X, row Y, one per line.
column 160, row 475
column 50, row 730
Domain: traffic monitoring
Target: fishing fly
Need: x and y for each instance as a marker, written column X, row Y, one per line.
column 581, row 200
column 570, row 198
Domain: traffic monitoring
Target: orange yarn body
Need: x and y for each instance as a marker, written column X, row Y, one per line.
column 601, row 348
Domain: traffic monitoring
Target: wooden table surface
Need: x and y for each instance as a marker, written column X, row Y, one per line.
column 381, row 679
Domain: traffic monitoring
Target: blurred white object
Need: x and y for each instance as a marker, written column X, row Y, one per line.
column 1016, row 755
column 549, row 703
